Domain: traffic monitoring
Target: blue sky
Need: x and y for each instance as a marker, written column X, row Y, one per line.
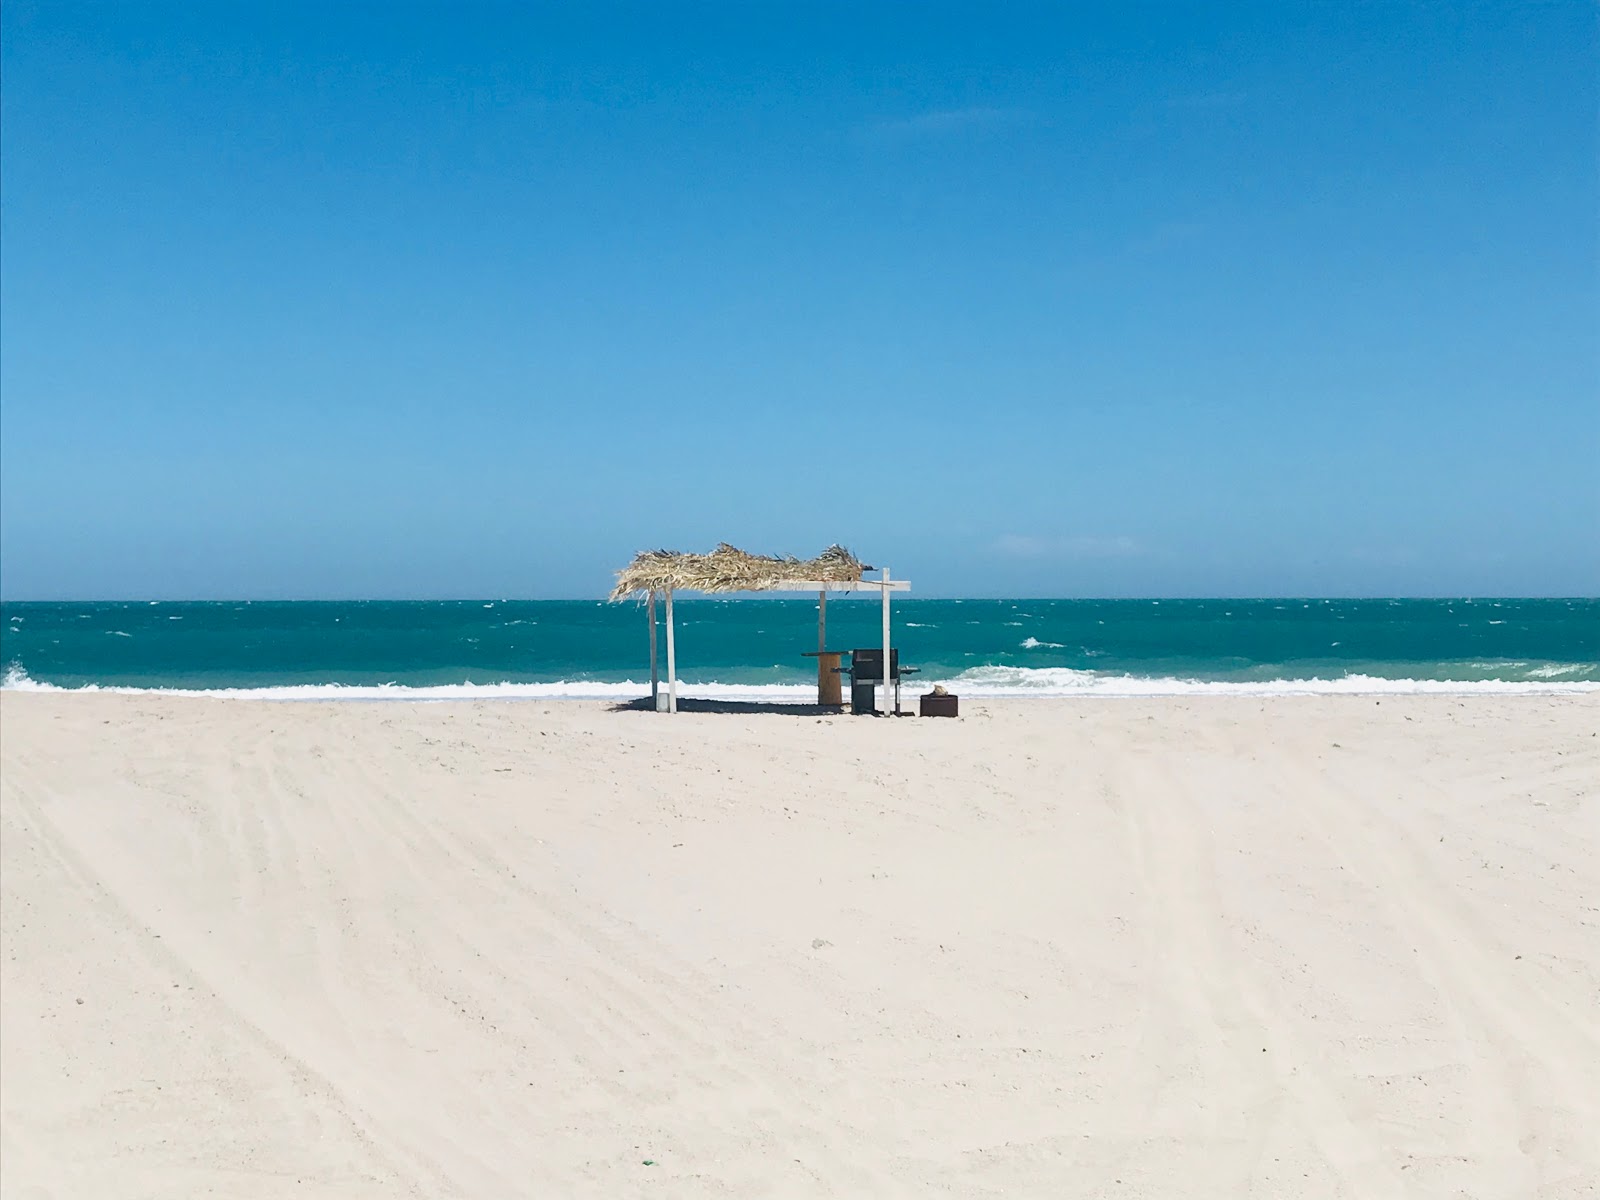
column 475, row 300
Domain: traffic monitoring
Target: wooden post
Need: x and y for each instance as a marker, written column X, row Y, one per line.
column 887, row 660
column 655, row 668
column 672, row 660
column 828, row 681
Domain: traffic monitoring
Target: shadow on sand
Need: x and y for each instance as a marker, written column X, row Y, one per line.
column 735, row 706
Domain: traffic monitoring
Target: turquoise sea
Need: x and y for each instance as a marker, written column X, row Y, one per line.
column 752, row 648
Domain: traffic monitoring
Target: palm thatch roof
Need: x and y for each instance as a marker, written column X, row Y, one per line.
column 729, row 569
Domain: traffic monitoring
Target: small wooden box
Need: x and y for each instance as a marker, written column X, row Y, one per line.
column 938, row 706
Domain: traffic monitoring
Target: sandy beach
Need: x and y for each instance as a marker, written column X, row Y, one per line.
column 1220, row 947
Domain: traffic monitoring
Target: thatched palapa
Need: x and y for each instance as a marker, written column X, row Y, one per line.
column 729, row 569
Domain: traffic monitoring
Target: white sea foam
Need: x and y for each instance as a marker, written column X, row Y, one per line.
column 1034, row 643
column 1064, row 681
column 977, row 682
column 1556, row 670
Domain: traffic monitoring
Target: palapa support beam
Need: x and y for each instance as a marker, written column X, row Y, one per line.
column 888, row 662
column 672, row 660
column 655, row 667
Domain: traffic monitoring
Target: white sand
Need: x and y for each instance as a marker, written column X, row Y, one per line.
column 1207, row 947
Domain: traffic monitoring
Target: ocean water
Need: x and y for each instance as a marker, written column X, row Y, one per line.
column 752, row 648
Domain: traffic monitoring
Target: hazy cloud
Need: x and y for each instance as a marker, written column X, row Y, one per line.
column 1017, row 545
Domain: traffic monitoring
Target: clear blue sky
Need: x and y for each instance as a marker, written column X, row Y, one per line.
column 360, row 299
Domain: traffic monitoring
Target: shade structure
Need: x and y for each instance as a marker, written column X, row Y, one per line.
column 729, row 569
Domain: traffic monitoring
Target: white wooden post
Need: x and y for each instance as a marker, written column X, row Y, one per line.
column 672, row 660
column 887, row 670
column 655, row 668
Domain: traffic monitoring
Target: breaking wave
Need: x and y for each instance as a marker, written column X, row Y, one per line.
column 990, row 681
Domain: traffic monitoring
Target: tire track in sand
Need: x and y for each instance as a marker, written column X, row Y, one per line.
column 416, row 1175
column 622, row 1001
column 1226, row 1010
column 1513, row 1031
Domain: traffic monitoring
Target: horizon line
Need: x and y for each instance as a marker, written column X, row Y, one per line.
column 690, row 596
